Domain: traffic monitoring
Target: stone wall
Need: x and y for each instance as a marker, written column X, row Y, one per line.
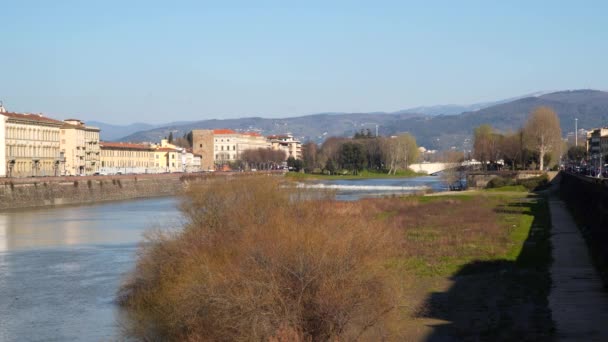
column 49, row 191
column 77, row 190
column 479, row 180
column 587, row 198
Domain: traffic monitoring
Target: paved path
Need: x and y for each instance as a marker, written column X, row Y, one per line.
column 578, row 301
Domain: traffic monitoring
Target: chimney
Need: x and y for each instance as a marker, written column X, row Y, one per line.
column 2, row 110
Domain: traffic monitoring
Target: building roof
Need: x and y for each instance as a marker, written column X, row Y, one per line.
column 223, row 131
column 253, row 134
column 124, row 146
column 32, row 117
column 166, row 149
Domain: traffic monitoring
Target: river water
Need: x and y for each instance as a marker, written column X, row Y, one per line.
column 60, row 267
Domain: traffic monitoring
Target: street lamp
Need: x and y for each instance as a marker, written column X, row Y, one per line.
column 576, row 132
column 371, row 123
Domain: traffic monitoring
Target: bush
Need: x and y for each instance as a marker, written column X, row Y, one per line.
column 536, row 183
column 500, row 182
column 532, row 184
column 259, row 261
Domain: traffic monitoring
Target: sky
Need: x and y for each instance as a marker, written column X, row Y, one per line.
column 161, row 61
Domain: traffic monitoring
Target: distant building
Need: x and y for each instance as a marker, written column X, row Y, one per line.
column 80, row 147
column 286, row 143
column 31, row 145
column 597, row 143
column 168, row 159
column 117, row 157
column 221, row 146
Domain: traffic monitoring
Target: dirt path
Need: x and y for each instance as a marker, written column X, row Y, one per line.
column 578, row 301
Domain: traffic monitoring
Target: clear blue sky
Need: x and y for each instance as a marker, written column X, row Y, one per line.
column 185, row 60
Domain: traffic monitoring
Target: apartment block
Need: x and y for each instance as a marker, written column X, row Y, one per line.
column 597, row 141
column 80, row 147
column 118, row 157
column 31, row 145
column 287, row 144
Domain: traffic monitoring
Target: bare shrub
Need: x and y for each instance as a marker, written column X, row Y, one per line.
column 256, row 263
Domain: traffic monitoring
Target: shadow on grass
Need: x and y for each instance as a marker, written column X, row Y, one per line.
column 503, row 299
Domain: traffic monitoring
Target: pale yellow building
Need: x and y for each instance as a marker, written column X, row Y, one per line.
column 80, row 147
column 167, row 159
column 123, row 158
column 31, row 145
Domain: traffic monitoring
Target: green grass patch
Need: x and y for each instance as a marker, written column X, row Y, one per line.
column 509, row 188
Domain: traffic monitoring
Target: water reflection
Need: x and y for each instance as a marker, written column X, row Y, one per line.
column 119, row 222
column 60, row 268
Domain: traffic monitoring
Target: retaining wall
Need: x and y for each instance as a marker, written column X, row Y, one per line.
column 587, row 197
column 61, row 192
column 479, row 180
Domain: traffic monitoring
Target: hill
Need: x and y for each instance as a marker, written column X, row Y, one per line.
column 438, row 132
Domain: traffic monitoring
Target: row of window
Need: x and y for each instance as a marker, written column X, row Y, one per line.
column 36, row 133
column 120, row 153
column 221, row 148
column 32, row 151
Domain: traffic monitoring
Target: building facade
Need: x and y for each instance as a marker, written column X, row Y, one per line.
column 122, row 158
column 287, row 144
column 167, row 159
column 597, row 144
column 80, row 147
column 31, row 145
column 221, row 146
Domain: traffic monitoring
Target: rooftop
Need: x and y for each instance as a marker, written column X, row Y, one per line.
column 223, row 131
column 32, row 117
column 121, row 145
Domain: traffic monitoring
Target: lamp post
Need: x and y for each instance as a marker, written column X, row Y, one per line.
column 576, row 132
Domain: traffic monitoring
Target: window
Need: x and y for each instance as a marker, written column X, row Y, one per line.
column 201, row 145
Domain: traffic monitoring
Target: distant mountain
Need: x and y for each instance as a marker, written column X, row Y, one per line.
column 436, row 132
column 445, row 131
column 111, row 132
column 453, row 109
column 310, row 127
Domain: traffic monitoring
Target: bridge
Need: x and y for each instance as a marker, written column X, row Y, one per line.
column 432, row 168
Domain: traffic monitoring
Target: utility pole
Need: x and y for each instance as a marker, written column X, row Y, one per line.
column 576, row 132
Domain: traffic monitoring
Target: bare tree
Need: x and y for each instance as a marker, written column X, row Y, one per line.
column 399, row 152
column 483, row 144
column 511, row 148
column 542, row 133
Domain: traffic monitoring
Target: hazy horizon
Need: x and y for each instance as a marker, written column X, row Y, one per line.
column 156, row 63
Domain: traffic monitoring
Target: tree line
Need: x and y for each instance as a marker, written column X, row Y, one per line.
column 361, row 152
column 538, row 144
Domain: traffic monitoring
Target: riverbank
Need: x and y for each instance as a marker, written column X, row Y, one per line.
column 361, row 175
column 36, row 192
column 467, row 265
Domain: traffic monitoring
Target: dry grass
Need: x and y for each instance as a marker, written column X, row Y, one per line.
column 255, row 262
column 259, row 261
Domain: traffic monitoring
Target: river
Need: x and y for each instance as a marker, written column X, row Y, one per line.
column 60, row 267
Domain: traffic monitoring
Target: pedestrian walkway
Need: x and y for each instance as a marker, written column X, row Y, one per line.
column 578, row 300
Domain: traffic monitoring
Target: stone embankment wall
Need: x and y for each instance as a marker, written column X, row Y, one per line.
column 49, row 191
column 479, row 180
column 39, row 192
column 587, row 197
